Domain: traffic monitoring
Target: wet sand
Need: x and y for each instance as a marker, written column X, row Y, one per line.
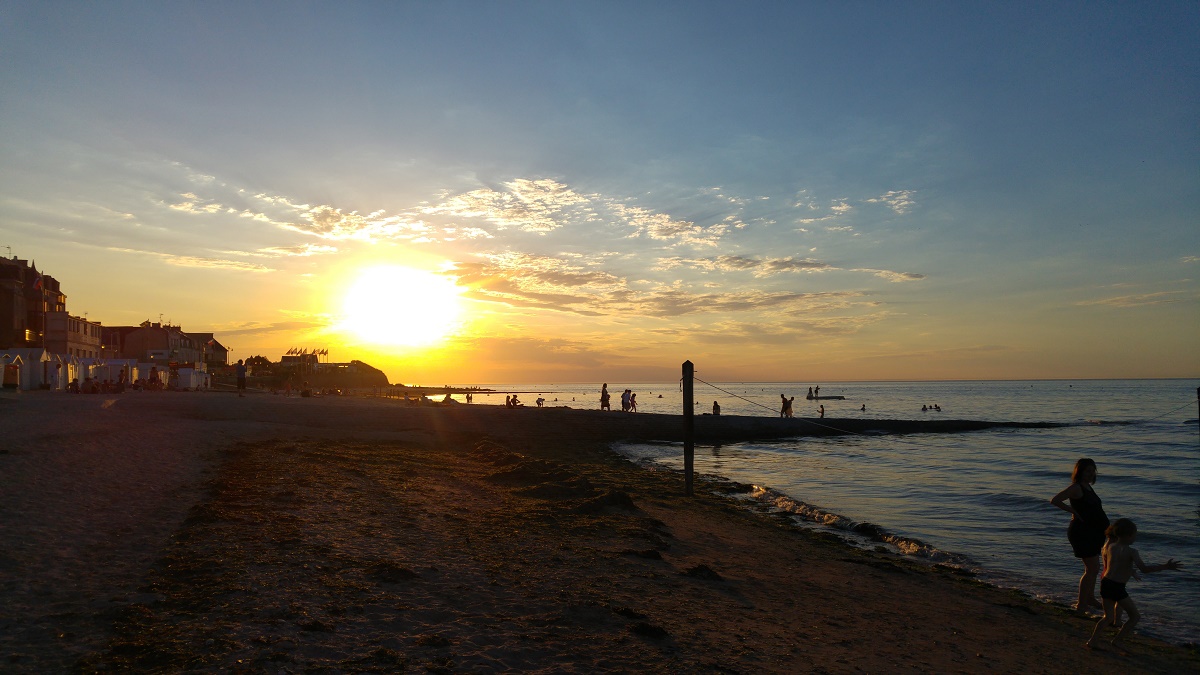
column 201, row 532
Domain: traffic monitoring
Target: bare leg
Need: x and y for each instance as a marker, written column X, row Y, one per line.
column 1087, row 584
column 1110, row 609
column 1132, row 610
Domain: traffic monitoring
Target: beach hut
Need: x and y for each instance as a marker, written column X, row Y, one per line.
column 60, row 364
column 90, row 368
column 34, row 370
column 10, row 371
column 69, row 371
column 192, row 378
column 110, row 369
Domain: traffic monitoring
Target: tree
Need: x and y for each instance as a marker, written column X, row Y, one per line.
column 257, row 361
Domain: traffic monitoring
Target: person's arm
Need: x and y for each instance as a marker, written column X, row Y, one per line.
column 1072, row 491
column 1171, row 564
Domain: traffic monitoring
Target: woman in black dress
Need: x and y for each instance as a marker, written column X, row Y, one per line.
column 1086, row 531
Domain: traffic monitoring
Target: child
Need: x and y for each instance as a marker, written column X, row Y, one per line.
column 1119, row 560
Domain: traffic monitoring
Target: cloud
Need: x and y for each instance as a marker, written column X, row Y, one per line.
column 759, row 267
column 662, row 227
column 257, row 328
column 1142, row 300
column 332, row 223
column 900, row 201
column 194, row 204
column 967, row 353
column 195, row 261
column 301, row 250
column 894, row 277
column 552, row 283
column 535, row 281
column 839, row 208
column 538, row 206
column 543, row 206
column 675, row 301
column 769, row 333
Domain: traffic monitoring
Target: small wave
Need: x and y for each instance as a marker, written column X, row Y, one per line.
column 869, row 531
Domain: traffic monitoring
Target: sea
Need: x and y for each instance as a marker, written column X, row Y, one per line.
column 979, row 500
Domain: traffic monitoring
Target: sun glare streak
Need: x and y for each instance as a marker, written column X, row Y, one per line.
column 400, row 306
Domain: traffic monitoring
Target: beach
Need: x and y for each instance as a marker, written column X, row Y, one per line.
column 168, row 532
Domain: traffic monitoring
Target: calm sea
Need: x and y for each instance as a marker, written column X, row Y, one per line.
column 980, row 499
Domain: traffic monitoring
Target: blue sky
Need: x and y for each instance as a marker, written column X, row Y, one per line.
column 773, row 190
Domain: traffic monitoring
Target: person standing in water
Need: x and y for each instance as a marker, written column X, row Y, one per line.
column 1119, row 560
column 1087, row 529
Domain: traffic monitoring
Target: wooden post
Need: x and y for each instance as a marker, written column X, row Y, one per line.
column 689, row 429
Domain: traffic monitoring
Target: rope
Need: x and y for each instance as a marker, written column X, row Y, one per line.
column 805, row 421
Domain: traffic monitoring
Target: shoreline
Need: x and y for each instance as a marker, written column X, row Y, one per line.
column 563, row 593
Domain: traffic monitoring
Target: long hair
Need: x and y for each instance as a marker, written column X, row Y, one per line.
column 1080, row 466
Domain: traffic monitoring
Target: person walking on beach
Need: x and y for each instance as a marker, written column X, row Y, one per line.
column 1087, row 529
column 241, row 379
column 625, row 401
column 604, row 404
column 1119, row 561
column 632, row 402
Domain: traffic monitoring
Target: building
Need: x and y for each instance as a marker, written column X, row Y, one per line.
column 73, row 335
column 154, row 343
column 26, row 295
column 215, row 353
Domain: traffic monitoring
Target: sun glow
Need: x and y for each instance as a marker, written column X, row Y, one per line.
column 400, row 306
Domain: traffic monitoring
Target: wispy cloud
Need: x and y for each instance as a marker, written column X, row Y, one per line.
column 265, row 328
column 298, row 251
column 195, row 261
column 1142, row 300
column 894, row 277
column 528, row 205
column 543, row 282
column 759, row 267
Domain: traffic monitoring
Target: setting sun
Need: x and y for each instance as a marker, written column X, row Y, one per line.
column 401, row 306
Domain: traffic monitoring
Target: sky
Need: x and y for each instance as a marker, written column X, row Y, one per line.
column 474, row 192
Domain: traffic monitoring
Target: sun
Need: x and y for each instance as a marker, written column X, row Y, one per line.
column 400, row 306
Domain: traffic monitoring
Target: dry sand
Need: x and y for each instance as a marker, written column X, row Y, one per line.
column 204, row 532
